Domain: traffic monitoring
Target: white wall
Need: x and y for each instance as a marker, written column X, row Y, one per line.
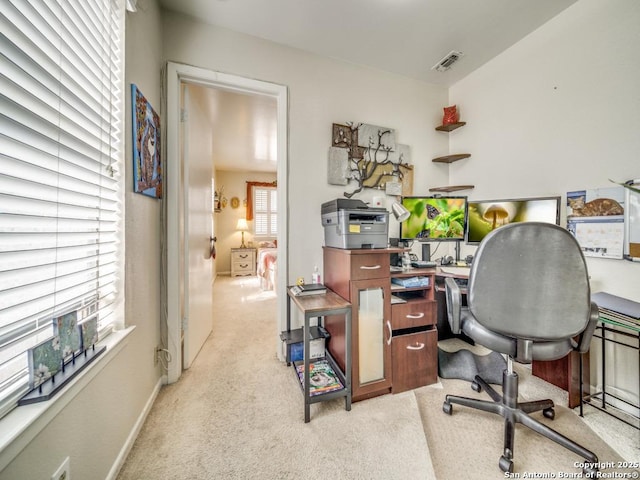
column 93, row 428
column 560, row 111
column 322, row 91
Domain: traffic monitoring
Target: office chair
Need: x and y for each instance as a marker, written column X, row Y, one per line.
column 528, row 297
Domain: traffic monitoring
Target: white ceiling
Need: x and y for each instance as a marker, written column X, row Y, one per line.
column 406, row 37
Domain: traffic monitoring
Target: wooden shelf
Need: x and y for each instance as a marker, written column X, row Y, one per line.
column 451, row 188
column 450, row 127
column 451, row 158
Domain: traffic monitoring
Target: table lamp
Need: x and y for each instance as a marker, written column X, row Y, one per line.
column 242, row 226
column 399, row 211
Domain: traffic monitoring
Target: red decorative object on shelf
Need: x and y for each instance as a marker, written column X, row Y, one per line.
column 450, row 115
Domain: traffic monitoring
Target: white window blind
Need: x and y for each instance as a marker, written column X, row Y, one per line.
column 265, row 212
column 60, row 149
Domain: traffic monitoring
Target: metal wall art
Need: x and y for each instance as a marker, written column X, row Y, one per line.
column 369, row 156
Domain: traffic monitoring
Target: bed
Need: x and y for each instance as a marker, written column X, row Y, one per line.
column 267, row 267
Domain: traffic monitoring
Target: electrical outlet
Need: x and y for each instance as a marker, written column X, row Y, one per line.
column 63, row 472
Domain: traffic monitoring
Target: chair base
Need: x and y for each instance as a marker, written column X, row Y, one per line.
column 513, row 412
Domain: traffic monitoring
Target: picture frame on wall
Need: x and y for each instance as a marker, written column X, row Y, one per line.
column 147, row 166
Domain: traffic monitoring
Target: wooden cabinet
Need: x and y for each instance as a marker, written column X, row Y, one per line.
column 243, row 261
column 394, row 347
column 362, row 278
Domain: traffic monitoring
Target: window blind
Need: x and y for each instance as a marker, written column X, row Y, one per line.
column 265, row 220
column 60, row 150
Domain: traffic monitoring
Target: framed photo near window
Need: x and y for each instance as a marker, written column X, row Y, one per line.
column 147, row 168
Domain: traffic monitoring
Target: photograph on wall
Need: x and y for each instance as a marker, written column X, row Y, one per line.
column 45, row 360
column 147, row 167
column 596, row 219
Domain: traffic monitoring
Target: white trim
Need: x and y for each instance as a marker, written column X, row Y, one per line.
column 176, row 75
column 128, row 444
column 20, row 426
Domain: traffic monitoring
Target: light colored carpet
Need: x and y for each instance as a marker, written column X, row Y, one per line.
column 469, row 443
column 238, row 413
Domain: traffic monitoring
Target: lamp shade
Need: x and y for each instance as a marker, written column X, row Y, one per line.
column 242, row 225
column 400, row 212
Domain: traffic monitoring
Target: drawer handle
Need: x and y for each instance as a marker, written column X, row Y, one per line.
column 244, row 265
column 373, row 267
column 390, row 332
column 244, row 256
column 419, row 315
column 417, row 346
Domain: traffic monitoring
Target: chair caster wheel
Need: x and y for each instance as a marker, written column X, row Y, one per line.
column 505, row 464
column 549, row 413
column 446, row 408
column 475, row 386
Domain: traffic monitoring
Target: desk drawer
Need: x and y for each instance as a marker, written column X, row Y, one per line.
column 415, row 360
column 373, row 265
column 413, row 314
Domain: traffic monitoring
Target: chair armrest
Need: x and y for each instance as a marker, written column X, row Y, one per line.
column 584, row 341
column 454, row 304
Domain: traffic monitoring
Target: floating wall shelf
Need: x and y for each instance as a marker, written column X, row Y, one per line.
column 450, row 127
column 451, row 188
column 451, row 158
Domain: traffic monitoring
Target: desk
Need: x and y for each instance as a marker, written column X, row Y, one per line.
column 319, row 306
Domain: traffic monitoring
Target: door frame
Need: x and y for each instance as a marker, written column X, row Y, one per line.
column 177, row 74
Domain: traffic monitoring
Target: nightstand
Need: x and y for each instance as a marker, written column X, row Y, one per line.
column 243, row 261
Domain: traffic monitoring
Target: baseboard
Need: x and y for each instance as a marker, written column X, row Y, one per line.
column 126, row 448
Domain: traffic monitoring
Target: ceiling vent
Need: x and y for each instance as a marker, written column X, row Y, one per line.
column 445, row 64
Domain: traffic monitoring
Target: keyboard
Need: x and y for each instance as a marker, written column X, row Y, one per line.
column 423, row 264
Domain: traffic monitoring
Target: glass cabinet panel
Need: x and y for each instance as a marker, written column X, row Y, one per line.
column 371, row 344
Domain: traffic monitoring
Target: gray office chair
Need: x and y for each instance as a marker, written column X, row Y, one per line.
column 528, row 297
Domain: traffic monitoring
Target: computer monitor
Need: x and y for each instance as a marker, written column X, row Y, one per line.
column 436, row 218
column 487, row 215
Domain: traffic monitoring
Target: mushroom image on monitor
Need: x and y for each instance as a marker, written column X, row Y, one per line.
column 494, row 214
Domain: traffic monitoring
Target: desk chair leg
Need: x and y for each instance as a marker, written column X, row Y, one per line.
column 513, row 412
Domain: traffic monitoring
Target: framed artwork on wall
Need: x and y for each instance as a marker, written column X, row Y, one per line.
column 147, row 167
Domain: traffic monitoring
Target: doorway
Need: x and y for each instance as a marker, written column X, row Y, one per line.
column 178, row 290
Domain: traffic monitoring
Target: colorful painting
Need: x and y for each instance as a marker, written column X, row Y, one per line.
column 89, row 333
column 66, row 328
column 147, row 166
column 45, row 360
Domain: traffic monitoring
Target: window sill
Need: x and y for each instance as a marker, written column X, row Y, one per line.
column 20, row 426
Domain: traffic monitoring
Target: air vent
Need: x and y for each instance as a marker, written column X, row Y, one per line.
column 445, row 64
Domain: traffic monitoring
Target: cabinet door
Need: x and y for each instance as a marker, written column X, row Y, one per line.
column 371, row 321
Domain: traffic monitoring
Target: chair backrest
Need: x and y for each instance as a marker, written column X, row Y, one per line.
column 529, row 280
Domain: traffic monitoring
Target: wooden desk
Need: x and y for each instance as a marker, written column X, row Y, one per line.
column 319, row 306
